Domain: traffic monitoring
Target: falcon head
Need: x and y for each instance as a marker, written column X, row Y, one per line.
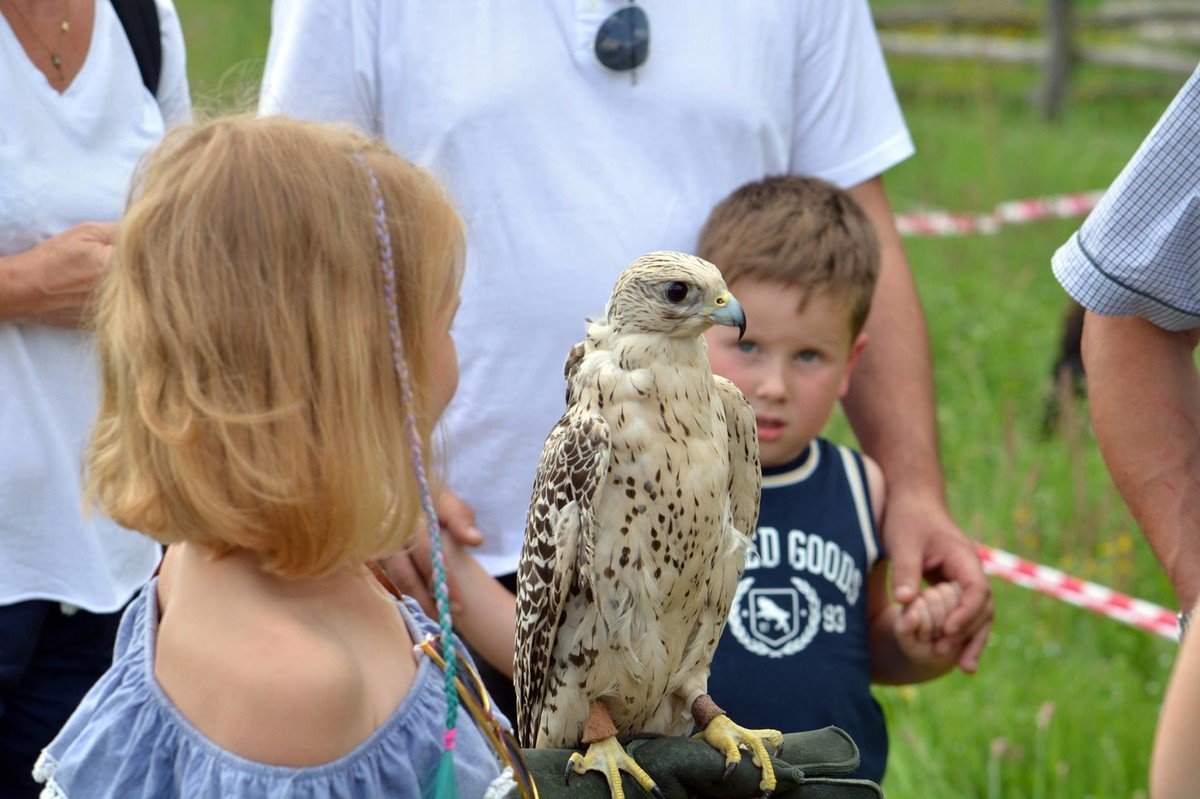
column 672, row 294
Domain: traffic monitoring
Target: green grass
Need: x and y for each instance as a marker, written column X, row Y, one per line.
column 1066, row 702
column 227, row 46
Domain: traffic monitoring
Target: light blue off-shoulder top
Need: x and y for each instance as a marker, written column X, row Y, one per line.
column 126, row 740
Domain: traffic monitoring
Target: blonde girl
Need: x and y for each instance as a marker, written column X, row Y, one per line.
column 274, row 342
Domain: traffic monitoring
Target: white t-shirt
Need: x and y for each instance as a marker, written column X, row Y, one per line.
column 565, row 172
column 66, row 159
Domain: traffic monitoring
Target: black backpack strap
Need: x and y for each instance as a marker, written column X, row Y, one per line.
column 139, row 18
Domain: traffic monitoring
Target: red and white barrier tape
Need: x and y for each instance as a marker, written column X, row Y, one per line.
column 1016, row 212
column 1096, row 598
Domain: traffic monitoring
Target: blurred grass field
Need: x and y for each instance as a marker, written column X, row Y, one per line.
column 1066, row 701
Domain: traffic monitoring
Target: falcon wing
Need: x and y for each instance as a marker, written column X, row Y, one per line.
column 559, row 543
column 745, row 472
column 571, row 364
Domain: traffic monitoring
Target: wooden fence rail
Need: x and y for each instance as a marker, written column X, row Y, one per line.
column 964, row 47
column 1055, row 49
column 957, row 15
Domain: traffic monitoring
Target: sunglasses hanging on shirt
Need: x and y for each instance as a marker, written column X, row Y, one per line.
column 623, row 40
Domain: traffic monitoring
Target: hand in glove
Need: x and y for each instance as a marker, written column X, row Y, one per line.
column 808, row 766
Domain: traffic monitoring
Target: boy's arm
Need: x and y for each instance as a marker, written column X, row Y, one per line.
column 877, row 488
column 889, row 664
column 898, row 656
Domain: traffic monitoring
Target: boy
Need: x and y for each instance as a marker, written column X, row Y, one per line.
column 812, row 624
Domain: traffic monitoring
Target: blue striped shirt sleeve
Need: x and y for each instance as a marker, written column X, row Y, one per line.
column 1138, row 253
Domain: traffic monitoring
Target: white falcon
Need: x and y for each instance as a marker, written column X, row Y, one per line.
column 642, row 507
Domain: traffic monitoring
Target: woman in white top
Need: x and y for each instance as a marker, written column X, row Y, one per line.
column 76, row 118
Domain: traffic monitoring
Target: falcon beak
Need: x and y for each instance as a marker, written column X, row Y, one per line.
column 728, row 311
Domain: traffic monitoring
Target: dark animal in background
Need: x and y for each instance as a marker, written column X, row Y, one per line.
column 1070, row 381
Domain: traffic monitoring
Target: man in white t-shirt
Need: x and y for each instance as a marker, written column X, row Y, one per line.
column 566, row 170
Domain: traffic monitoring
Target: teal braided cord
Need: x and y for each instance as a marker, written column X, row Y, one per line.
column 440, row 592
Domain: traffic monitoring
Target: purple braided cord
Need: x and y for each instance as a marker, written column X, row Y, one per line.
column 414, row 440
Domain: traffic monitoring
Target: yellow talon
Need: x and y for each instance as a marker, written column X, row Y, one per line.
column 727, row 738
column 609, row 758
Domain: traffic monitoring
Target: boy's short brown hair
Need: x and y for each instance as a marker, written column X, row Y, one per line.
column 798, row 231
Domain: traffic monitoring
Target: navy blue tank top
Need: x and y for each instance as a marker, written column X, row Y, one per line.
column 794, row 652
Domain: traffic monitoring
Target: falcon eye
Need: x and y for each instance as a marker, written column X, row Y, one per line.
column 676, row 291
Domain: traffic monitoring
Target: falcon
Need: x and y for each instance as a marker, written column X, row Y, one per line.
column 642, row 507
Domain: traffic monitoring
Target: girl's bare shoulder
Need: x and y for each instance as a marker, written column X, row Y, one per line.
column 259, row 674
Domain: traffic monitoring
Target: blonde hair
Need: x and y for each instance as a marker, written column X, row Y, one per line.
column 798, row 231
column 249, row 397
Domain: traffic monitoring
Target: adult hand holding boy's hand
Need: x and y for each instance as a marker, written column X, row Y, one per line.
column 922, row 540
column 920, row 627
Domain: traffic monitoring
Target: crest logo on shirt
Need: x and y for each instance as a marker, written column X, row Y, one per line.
column 774, row 614
column 775, row 622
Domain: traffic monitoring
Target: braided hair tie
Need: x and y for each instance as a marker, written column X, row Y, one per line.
column 445, row 786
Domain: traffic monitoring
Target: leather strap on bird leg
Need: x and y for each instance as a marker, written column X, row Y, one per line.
column 704, row 710
column 599, row 724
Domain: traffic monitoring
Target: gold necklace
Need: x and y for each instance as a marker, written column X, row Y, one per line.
column 64, row 28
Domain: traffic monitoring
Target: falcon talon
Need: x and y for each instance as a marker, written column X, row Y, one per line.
column 729, row 767
column 657, row 793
